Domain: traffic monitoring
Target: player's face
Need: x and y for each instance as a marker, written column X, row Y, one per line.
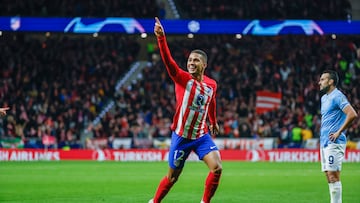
column 324, row 82
column 195, row 64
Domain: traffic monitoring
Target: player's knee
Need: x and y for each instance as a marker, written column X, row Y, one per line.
column 172, row 179
column 332, row 178
column 217, row 169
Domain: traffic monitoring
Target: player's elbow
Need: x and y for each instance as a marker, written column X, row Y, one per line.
column 217, row 169
column 351, row 114
column 354, row 115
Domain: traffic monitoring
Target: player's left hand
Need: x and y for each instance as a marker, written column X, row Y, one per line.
column 158, row 28
column 214, row 129
column 334, row 136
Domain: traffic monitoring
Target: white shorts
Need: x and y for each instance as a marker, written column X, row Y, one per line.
column 332, row 157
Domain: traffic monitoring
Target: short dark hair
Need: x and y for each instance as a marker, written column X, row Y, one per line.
column 333, row 75
column 202, row 53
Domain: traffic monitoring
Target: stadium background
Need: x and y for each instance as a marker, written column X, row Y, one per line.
column 104, row 91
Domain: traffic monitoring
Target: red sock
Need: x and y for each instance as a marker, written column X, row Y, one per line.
column 211, row 184
column 162, row 189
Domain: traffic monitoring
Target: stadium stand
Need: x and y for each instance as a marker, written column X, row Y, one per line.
column 258, row 9
column 287, row 64
column 84, row 8
column 56, row 85
column 197, row 9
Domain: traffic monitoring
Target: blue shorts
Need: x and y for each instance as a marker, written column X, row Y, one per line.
column 180, row 149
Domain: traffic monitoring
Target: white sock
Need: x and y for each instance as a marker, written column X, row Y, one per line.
column 335, row 192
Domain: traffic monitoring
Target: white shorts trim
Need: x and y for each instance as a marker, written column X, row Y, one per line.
column 332, row 157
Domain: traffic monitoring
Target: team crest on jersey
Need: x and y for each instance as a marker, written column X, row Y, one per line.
column 200, row 100
column 198, row 104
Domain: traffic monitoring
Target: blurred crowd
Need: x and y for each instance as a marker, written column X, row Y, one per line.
column 288, row 64
column 84, row 8
column 56, row 85
column 201, row 9
column 260, row 9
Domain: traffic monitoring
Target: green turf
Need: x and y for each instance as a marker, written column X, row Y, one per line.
column 128, row 182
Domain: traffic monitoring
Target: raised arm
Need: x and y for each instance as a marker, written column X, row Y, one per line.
column 170, row 64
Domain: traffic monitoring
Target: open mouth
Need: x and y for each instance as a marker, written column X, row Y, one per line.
column 192, row 69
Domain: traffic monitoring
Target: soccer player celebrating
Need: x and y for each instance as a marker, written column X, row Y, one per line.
column 195, row 100
column 336, row 116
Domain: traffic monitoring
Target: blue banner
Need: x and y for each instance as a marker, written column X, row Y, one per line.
column 133, row 26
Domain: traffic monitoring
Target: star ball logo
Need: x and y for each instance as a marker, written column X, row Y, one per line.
column 194, row 26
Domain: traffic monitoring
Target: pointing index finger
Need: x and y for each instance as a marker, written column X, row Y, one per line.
column 157, row 20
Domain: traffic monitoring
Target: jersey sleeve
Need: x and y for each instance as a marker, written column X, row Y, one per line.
column 212, row 107
column 341, row 101
column 175, row 72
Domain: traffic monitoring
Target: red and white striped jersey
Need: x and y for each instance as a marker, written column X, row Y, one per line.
column 194, row 100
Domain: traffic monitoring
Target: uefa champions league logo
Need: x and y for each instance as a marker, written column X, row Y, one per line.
column 129, row 24
column 256, row 27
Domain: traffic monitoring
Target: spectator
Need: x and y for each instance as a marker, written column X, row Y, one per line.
column 51, row 91
column 296, row 136
column 91, row 8
column 258, row 9
column 61, row 83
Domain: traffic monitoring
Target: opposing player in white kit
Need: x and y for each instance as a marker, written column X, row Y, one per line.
column 337, row 115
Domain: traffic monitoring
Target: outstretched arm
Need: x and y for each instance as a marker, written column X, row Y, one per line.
column 3, row 111
column 170, row 64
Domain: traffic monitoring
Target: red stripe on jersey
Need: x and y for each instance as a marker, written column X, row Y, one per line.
column 195, row 117
column 189, row 135
column 203, row 119
column 187, row 109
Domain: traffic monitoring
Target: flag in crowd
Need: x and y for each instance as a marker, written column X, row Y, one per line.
column 267, row 101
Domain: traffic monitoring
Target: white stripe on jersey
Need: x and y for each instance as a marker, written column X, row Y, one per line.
column 184, row 104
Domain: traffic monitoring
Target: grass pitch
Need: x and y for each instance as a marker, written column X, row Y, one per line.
column 128, row 182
